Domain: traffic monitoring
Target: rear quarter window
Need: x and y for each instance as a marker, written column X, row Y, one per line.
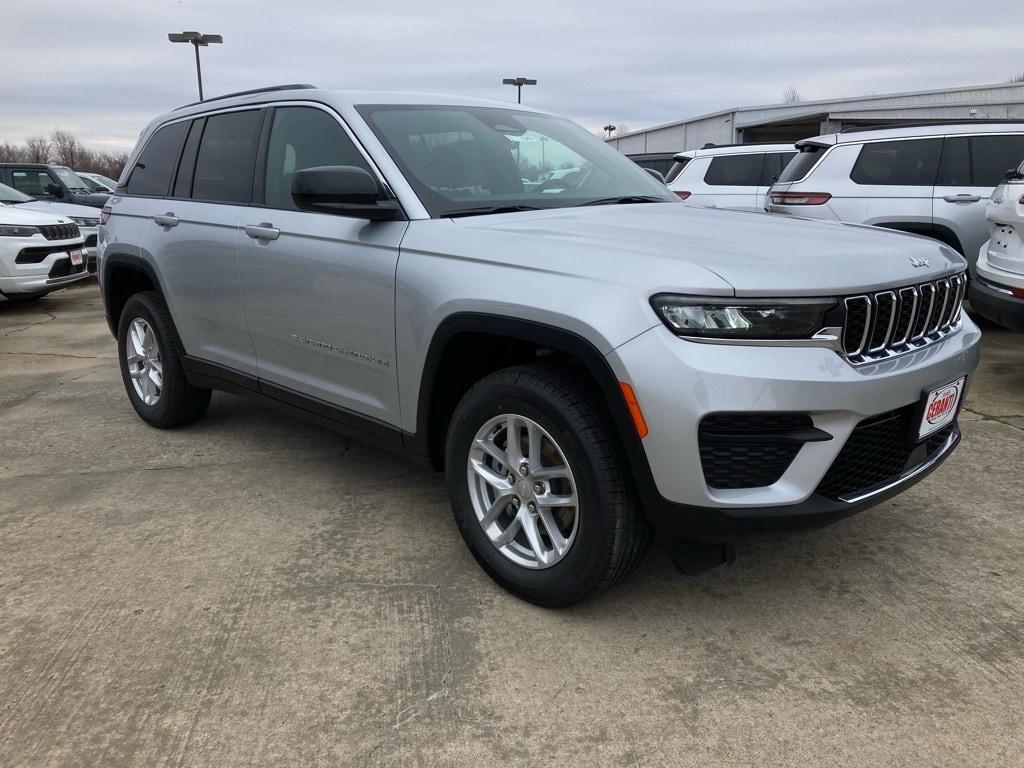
column 676, row 169
column 152, row 173
column 905, row 163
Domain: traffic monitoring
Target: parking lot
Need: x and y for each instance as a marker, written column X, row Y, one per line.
column 254, row 591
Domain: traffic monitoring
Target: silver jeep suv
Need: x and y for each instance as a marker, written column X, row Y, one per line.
column 586, row 360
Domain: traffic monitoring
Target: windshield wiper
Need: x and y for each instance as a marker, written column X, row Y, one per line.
column 624, row 200
column 483, row 211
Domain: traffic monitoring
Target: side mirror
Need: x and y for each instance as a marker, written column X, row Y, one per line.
column 343, row 190
column 656, row 174
column 54, row 190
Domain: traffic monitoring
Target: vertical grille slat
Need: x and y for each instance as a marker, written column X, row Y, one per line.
column 879, row 325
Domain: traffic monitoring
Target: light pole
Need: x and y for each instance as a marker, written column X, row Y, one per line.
column 197, row 39
column 518, row 82
column 609, row 128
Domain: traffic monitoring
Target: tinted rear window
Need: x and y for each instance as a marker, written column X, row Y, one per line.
column 226, row 157
column 155, row 166
column 910, row 163
column 801, row 163
column 676, row 169
column 734, row 170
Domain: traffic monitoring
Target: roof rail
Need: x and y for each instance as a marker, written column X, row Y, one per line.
column 268, row 89
column 927, row 123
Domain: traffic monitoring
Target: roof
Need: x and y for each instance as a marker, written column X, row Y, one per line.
column 736, row 149
column 812, row 108
column 32, row 165
column 902, row 132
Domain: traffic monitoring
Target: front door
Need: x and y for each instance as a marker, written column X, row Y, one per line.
column 319, row 289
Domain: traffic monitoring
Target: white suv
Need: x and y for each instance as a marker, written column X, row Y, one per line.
column 39, row 253
column 997, row 291
column 931, row 180
column 735, row 176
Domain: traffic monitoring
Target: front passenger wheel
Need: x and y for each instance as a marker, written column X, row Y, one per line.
column 538, row 487
column 151, row 365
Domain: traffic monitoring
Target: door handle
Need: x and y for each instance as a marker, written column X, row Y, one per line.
column 264, row 231
column 167, row 220
column 965, row 198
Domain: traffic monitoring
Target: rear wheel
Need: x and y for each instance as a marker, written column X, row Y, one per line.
column 151, row 365
column 538, row 488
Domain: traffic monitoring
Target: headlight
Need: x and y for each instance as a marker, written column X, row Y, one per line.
column 11, row 230
column 85, row 222
column 743, row 318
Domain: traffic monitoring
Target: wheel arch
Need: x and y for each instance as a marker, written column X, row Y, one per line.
column 938, row 232
column 460, row 335
column 122, row 275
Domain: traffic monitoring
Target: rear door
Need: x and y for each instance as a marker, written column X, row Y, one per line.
column 892, row 184
column 319, row 288
column 193, row 235
column 970, row 169
column 732, row 181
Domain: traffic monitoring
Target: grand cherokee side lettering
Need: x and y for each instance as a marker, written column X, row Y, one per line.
column 327, row 347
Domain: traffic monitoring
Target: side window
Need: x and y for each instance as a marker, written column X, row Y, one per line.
column 155, row 166
column 955, row 166
column 910, row 163
column 993, row 156
column 304, row 137
column 226, row 157
column 32, row 182
column 734, row 170
column 774, row 162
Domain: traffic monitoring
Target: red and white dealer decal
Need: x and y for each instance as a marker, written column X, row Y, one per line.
column 940, row 407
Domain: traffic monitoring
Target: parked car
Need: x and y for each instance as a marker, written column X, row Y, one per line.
column 656, row 161
column 931, row 180
column 97, row 182
column 735, row 176
column 997, row 291
column 39, row 253
column 86, row 217
column 45, row 181
column 584, row 365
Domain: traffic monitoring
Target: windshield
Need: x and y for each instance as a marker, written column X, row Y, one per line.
column 70, row 178
column 11, row 195
column 462, row 160
column 111, row 184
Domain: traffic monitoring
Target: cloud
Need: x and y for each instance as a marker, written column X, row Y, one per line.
column 105, row 69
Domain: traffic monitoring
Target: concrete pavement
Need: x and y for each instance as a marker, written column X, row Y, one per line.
column 253, row 591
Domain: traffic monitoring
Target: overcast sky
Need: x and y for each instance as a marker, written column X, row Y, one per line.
column 103, row 69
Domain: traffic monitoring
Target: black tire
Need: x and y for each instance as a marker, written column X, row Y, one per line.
column 179, row 403
column 612, row 533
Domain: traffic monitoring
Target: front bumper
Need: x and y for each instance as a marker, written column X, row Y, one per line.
column 678, row 383
column 53, row 272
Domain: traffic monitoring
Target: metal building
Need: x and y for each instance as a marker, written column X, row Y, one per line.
column 790, row 122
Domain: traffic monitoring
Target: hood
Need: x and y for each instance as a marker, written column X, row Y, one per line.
column 61, row 209
column 10, row 214
column 757, row 254
column 91, row 199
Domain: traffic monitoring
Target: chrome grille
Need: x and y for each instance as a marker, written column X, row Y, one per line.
column 879, row 325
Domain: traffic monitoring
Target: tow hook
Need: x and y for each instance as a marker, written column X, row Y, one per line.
column 693, row 558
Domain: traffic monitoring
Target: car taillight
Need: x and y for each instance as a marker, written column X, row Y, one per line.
column 1021, row 201
column 682, row 195
column 104, row 214
column 1018, row 292
column 800, row 198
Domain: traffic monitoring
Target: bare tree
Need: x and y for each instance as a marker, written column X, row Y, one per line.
column 1018, row 78
column 791, row 96
column 621, row 129
column 10, row 153
column 67, row 150
column 37, row 150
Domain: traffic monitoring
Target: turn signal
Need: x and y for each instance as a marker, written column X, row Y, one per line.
column 639, row 423
column 104, row 214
